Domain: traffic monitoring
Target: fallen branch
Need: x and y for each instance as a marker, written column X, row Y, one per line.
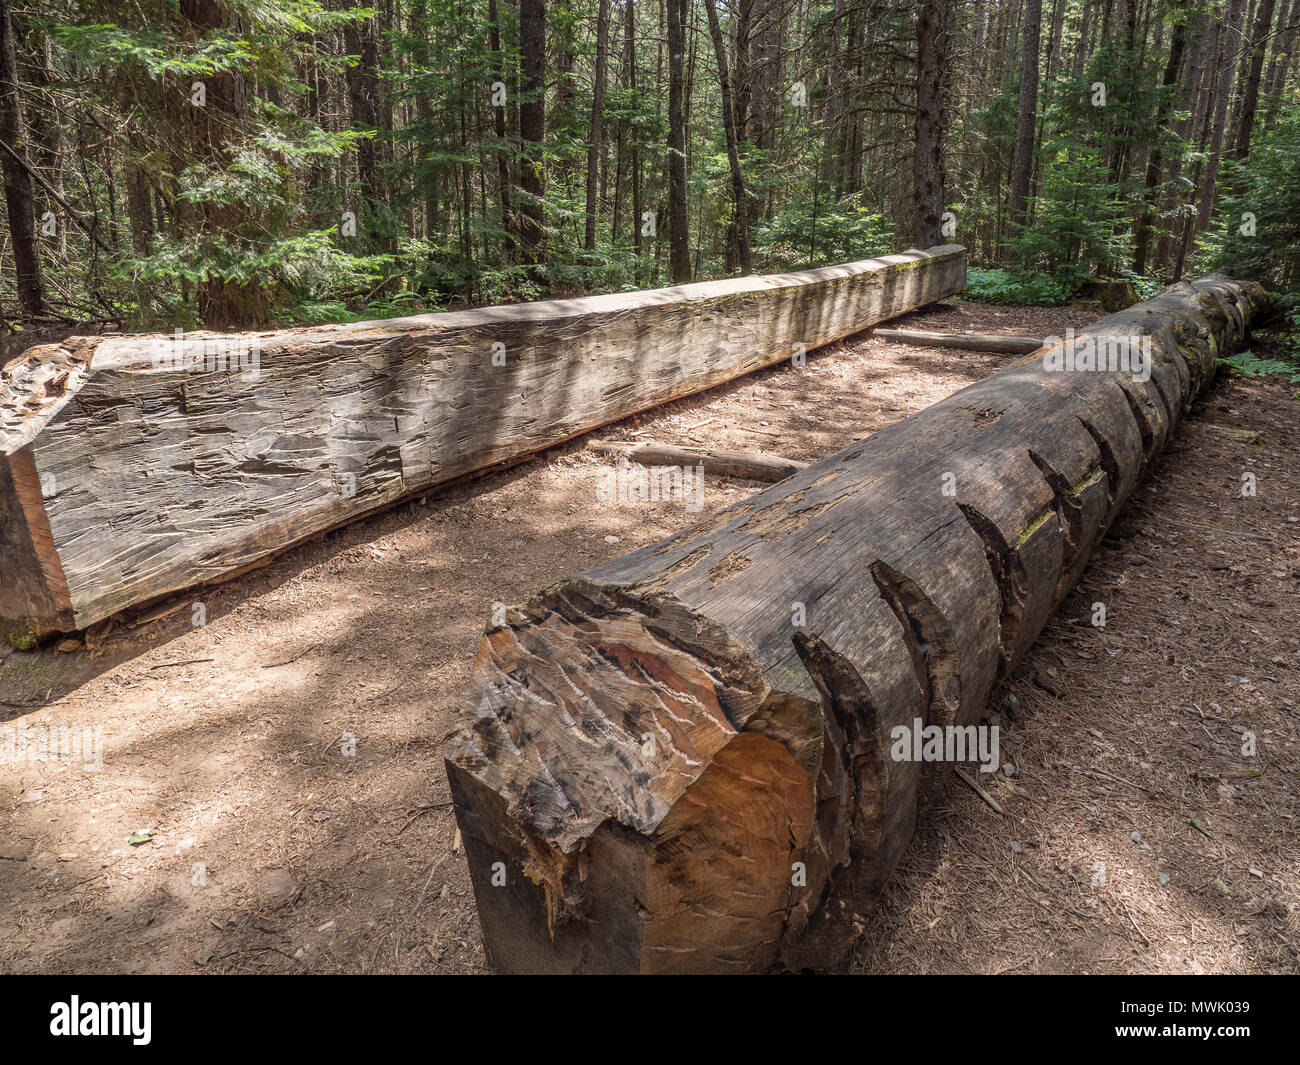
column 1007, row 345
column 53, row 193
column 184, row 662
column 970, row 782
column 751, row 465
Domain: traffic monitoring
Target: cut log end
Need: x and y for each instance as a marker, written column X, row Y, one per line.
column 612, row 743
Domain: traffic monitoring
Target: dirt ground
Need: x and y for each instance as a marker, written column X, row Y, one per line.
column 286, row 754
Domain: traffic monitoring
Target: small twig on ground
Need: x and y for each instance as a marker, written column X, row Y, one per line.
column 1111, row 776
column 289, row 661
column 1136, row 927
column 182, row 662
column 432, row 869
column 1221, row 532
column 420, row 811
column 970, row 783
column 255, row 950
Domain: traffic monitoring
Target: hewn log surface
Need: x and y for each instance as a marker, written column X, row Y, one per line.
column 124, row 478
column 657, row 748
column 720, row 462
column 1010, row 345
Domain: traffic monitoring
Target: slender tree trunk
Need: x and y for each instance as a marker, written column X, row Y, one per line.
column 928, row 173
column 1195, row 88
column 1228, row 61
column 1155, row 160
column 740, row 223
column 1245, row 31
column 1022, row 165
column 629, row 10
column 678, row 224
column 1053, row 51
column 361, row 40
column 19, row 204
column 138, row 205
column 1279, row 65
column 597, row 120
column 215, row 130
column 832, row 149
column 496, row 68
column 1250, row 95
column 1085, row 40
column 532, row 129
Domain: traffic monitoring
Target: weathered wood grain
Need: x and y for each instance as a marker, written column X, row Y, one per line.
column 680, row 761
column 161, row 473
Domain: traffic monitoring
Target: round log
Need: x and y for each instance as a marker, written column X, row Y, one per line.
column 681, row 761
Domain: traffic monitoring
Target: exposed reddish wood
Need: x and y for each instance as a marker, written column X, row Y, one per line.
column 32, row 584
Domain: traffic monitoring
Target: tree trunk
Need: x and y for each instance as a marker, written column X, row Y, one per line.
column 363, row 96
column 1250, row 95
column 215, row 130
column 678, row 225
column 138, row 206
column 1280, row 64
column 496, row 69
column 927, row 173
column 597, row 121
column 689, row 759
column 1023, row 161
column 1217, row 138
column 19, row 204
column 1194, row 90
column 741, row 219
column 532, row 130
column 635, row 162
column 1155, row 161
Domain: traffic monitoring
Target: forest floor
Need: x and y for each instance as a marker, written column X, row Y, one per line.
column 1135, row 836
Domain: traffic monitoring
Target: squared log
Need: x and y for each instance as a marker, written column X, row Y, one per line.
column 166, row 462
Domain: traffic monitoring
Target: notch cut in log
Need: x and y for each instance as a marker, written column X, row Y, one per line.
column 750, row 465
column 1003, row 345
column 133, row 467
column 690, row 759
